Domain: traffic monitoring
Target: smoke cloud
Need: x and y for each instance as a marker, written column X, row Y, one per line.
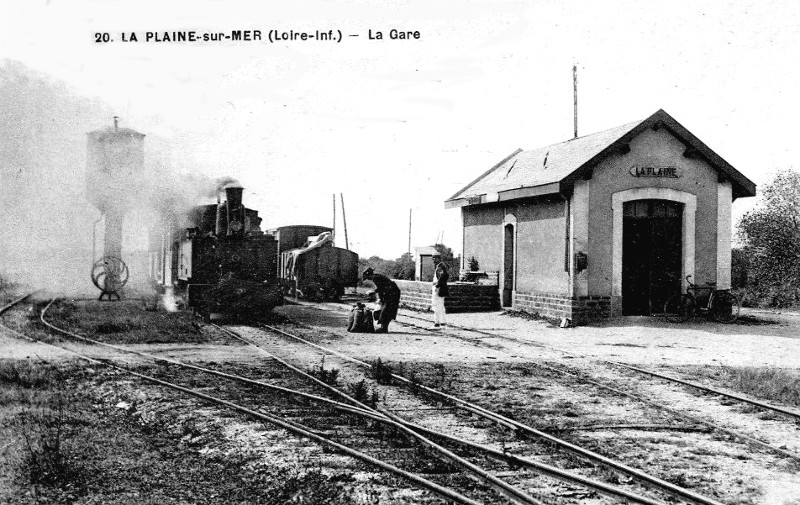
column 46, row 222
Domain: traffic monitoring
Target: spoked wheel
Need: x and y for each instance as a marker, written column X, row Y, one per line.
column 109, row 275
column 679, row 307
column 726, row 307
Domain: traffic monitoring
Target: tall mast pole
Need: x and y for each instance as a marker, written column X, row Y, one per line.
column 409, row 231
column 344, row 219
column 575, row 96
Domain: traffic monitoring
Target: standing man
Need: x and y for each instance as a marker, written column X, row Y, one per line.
column 388, row 295
column 440, row 291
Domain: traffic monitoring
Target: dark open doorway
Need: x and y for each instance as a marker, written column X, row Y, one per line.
column 508, row 264
column 651, row 255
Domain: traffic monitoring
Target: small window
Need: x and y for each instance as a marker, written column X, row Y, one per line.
column 627, row 210
column 673, row 210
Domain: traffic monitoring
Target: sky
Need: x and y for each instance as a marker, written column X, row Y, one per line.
column 401, row 125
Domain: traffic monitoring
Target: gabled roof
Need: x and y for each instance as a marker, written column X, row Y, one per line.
column 553, row 169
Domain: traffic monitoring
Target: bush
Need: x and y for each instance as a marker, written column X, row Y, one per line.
column 362, row 393
column 381, row 372
column 329, row 377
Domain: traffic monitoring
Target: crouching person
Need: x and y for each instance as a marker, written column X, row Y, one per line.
column 388, row 297
column 360, row 320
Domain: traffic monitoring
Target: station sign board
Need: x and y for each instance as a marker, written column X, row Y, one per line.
column 669, row 172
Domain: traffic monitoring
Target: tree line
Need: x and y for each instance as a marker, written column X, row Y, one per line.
column 766, row 266
column 404, row 267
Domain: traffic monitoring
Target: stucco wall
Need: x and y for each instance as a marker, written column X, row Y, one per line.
column 541, row 229
column 540, row 245
column 483, row 237
column 651, row 148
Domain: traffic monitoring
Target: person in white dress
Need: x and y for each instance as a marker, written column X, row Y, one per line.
column 439, row 292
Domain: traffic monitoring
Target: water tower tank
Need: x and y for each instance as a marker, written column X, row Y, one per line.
column 115, row 162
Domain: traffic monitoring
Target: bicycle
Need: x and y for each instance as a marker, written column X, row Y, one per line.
column 722, row 305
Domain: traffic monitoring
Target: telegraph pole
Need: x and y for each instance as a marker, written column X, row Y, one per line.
column 333, row 226
column 575, row 96
column 344, row 219
column 409, row 231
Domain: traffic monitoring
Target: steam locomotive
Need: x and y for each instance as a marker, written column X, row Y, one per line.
column 218, row 257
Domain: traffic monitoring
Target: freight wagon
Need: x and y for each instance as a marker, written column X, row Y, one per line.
column 311, row 267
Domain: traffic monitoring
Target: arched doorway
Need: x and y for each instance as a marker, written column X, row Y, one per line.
column 508, row 265
column 651, row 254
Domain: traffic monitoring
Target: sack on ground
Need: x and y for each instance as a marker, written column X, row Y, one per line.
column 360, row 320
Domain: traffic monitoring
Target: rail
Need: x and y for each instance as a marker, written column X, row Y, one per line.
column 520, row 427
column 360, row 409
column 495, row 483
column 292, row 427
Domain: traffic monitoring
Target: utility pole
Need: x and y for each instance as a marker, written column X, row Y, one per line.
column 575, row 96
column 344, row 219
column 333, row 227
column 409, row 231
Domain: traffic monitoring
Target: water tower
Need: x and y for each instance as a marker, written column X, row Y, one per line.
column 114, row 174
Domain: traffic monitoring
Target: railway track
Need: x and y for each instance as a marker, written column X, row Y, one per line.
column 258, row 413
column 519, row 428
column 356, row 408
column 585, row 382
column 616, row 389
column 386, row 417
column 701, row 387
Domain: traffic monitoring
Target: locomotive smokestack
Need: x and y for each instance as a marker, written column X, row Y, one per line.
column 233, row 193
column 221, row 228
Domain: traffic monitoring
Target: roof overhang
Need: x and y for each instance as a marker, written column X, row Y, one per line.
column 504, row 196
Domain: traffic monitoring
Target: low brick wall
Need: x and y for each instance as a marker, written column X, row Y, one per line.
column 587, row 309
column 549, row 305
column 581, row 310
column 462, row 298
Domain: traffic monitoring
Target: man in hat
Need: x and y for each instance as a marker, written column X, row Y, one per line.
column 388, row 296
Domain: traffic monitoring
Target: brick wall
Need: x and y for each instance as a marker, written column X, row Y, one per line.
column 587, row 309
column 581, row 310
column 462, row 298
column 550, row 305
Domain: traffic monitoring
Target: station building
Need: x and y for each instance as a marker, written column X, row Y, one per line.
column 606, row 224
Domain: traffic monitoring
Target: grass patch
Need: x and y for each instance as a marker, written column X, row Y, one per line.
column 767, row 383
column 45, row 424
column 83, row 436
column 127, row 322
